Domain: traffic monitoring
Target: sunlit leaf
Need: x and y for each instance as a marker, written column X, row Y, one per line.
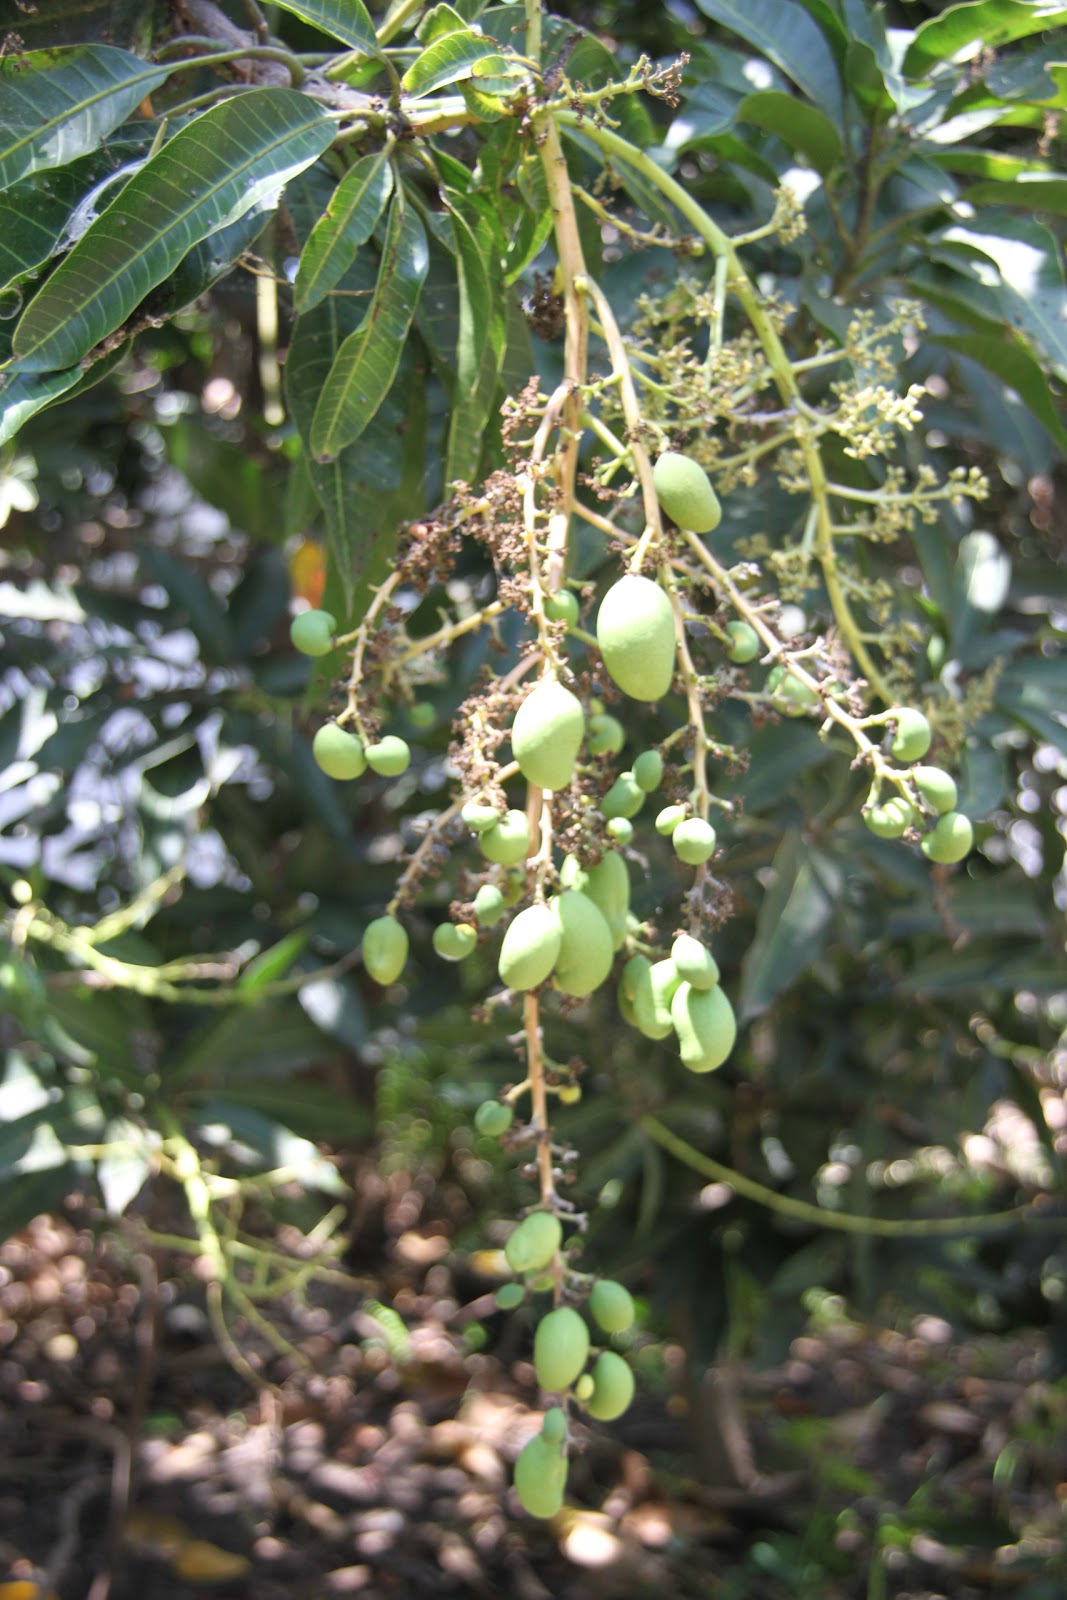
column 964, row 30
column 784, row 32
column 348, row 221
column 347, row 20
column 447, row 59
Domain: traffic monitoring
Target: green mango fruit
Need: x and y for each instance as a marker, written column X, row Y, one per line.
column 611, row 1306
column 606, row 735
column 624, row 799
column 694, row 841
column 613, row 1387
column 510, row 1296
column 587, row 948
column 454, row 941
column 635, row 632
column 507, row 842
column 608, row 886
column 621, row 829
column 533, row 1244
column 531, row 948
column 493, row 1118
column 385, row 949
column 541, row 1476
column 685, row 492
column 338, row 753
column 312, row 632
column 554, row 1427
column 790, row 695
column 648, row 770
column 745, row 644
column 706, row 1026
column 421, row 715
column 891, row 819
column 479, row 817
column 546, row 735
column 653, row 989
column 488, row 905
column 936, row 787
column 668, row 819
column 950, row 839
column 561, row 1348
column 562, row 607
column 912, row 738
column 389, row 757
column 694, row 962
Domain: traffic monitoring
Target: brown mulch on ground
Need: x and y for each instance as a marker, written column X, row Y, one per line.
column 136, row 1463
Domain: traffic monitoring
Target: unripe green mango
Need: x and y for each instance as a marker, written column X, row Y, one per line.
column 508, row 841
column 912, row 738
column 635, row 632
column 385, row 949
column 936, row 787
column 653, row 989
column 685, row 492
column 562, row 607
column 554, row 1427
column 541, row 1476
column 338, row 753
column 624, row 799
column 608, row 886
column 534, row 1242
column 480, row 817
column 790, row 695
column 611, row 1306
column 891, row 819
column 510, row 1295
column 627, row 987
column 648, row 770
column 744, row 643
column 694, row 841
column 561, row 1348
column 587, row 948
column 950, row 839
column 621, row 829
column 606, row 735
column 454, row 941
column 706, row 1026
column 668, row 819
column 530, row 948
column 493, row 1118
column 389, row 757
column 613, row 1387
column 421, row 715
column 694, row 962
column 584, row 1387
column 546, row 735
column 312, row 632
column 488, row 905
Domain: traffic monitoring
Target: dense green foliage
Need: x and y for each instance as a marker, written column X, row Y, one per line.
column 821, row 252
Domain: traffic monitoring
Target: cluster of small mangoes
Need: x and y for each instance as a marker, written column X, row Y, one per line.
column 339, row 752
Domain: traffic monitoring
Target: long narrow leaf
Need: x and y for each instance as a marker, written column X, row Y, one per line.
column 787, row 35
column 480, row 345
column 349, row 220
column 965, row 30
column 367, row 361
column 347, row 20
column 235, row 157
column 56, row 105
column 447, row 60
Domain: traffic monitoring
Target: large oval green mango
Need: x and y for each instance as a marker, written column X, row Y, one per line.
column 561, row 1348
column 653, row 987
column 530, row 948
column 685, row 492
column 706, row 1026
column 635, row 632
column 608, row 886
column 385, row 949
column 546, row 735
column 541, row 1476
column 587, row 948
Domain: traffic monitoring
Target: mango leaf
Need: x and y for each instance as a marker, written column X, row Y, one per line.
column 1012, row 267
column 799, row 126
column 438, row 21
column 793, row 924
column 1034, row 692
column 786, row 34
column 26, row 393
column 448, row 59
column 1032, row 191
column 966, row 30
column 482, row 331
column 347, row 20
column 1009, row 360
column 348, row 221
column 366, row 363
column 56, row 105
column 122, row 1173
column 235, row 157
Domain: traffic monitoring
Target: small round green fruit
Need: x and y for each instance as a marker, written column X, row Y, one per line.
column 891, row 819
column 694, row 841
column 533, row 1244
column 554, row 1427
column 613, row 1387
column 561, row 1348
column 706, row 1026
column 912, row 738
column 541, row 1477
column 531, row 948
column 606, row 735
column 562, row 607
column 488, row 905
column 389, row 757
column 950, row 839
column 507, row 842
column 624, row 799
column 385, row 949
column 454, row 941
column 479, row 817
column 611, row 1306
column 668, row 819
column 510, row 1296
column 587, row 949
column 421, row 715
column 312, row 632
column 338, row 753
column 648, row 770
column 744, row 644
column 937, row 788
column 621, row 829
column 493, row 1118
column 694, row 962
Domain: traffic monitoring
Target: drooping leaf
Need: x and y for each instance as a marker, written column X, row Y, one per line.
column 348, row 221
column 1010, row 361
column 347, row 20
column 784, row 32
column 793, row 924
column 26, row 393
column 1030, row 191
column 482, row 330
column 235, row 157
column 801, row 127
column 448, row 59
column 56, row 105
column 366, row 363
column 1012, row 268
column 964, row 30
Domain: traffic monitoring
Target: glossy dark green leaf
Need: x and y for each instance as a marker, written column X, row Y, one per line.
column 1009, row 360
column 799, row 126
column 1012, row 268
column 784, row 32
column 56, row 22
column 964, row 30
column 448, row 59
column 794, row 922
column 348, row 221
column 1029, row 191
column 234, row 158
column 56, row 105
column 347, row 20
column 366, row 363
column 26, row 393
